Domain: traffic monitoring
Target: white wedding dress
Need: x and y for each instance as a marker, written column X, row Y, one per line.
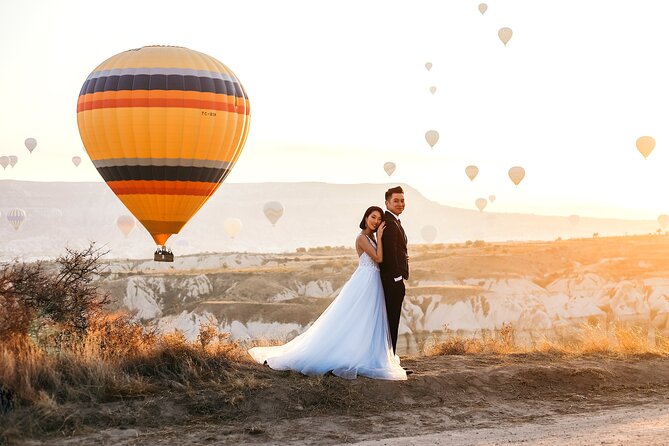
column 350, row 338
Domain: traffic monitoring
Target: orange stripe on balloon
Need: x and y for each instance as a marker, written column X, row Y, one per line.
column 162, row 187
column 161, row 102
column 171, row 94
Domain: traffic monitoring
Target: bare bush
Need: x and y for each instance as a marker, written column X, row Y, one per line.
column 34, row 297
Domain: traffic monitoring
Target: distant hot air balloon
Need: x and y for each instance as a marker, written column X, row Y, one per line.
column 663, row 220
column 389, row 167
column 125, row 223
column 13, row 159
column 471, row 172
column 429, row 233
column 16, row 217
column 273, row 211
column 505, row 35
column 76, row 160
column 232, row 226
column 492, row 198
column 30, row 143
column 574, row 219
column 645, row 145
column 164, row 126
column 4, row 162
column 516, row 174
column 432, row 136
column 428, row 66
column 483, row 8
column 481, row 203
column 433, row 89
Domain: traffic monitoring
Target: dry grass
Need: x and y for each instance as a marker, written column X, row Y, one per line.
column 116, row 359
column 618, row 340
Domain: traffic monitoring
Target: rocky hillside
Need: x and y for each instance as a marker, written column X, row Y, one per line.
column 539, row 288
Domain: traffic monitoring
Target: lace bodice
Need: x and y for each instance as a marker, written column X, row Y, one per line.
column 365, row 261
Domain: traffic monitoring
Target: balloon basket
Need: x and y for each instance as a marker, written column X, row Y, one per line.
column 163, row 254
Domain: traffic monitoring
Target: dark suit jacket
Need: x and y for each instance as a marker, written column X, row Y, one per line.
column 395, row 260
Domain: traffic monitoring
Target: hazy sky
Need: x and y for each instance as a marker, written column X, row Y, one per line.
column 338, row 88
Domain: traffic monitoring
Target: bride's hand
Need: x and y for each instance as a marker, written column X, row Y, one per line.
column 379, row 230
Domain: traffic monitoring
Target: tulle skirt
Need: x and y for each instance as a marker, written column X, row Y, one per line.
column 350, row 338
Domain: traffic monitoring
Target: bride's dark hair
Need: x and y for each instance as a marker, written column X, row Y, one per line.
column 369, row 210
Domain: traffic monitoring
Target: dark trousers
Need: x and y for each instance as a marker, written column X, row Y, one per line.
column 394, row 293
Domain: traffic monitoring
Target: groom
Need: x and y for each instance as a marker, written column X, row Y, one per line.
column 395, row 265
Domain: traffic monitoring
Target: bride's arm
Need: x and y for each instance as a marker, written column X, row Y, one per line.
column 365, row 245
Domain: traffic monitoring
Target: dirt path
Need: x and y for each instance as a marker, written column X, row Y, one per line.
column 639, row 426
column 456, row 400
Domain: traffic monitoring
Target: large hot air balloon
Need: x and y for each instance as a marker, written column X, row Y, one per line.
column 232, row 226
column 125, row 223
column 13, row 159
column 516, row 173
column 663, row 220
column 428, row 66
column 389, row 167
column 76, row 160
column 273, row 211
column 483, row 8
column 4, row 162
column 645, row 145
column 429, row 233
column 471, row 172
column 492, row 198
column 574, row 219
column 30, row 143
column 505, row 35
column 164, row 126
column 16, row 217
column 433, row 89
column 481, row 203
column 432, row 136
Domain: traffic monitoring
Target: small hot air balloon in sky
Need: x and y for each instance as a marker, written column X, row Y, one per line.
column 505, row 35
column 16, row 217
column 389, row 167
column 125, row 223
column 76, row 160
column 232, row 227
column 492, row 198
column 273, row 211
column 433, row 89
column 13, row 159
column 574, row 219
column 429, row 233
column 481, row 203
column 164, row 126
column 645, row 145
column 428, row 65
column 516, row 174
column 432, row 136
column 30, row 143
column 4, row 162
column 483, row 8
column 663, row 220
column 471, row 172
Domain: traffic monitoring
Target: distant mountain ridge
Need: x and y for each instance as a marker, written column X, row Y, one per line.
column 316, row 214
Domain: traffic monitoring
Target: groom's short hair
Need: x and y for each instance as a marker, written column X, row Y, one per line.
column 393, row 190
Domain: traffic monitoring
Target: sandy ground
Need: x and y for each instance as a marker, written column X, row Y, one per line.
column 456, row 400
column 641, row 426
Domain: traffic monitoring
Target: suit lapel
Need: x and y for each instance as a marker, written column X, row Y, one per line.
column 391, row 216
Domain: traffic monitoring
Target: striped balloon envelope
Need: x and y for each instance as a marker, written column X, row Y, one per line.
column 164, row 126
column 16, row 217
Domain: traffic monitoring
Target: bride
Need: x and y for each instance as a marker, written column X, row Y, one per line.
column 351, row 337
